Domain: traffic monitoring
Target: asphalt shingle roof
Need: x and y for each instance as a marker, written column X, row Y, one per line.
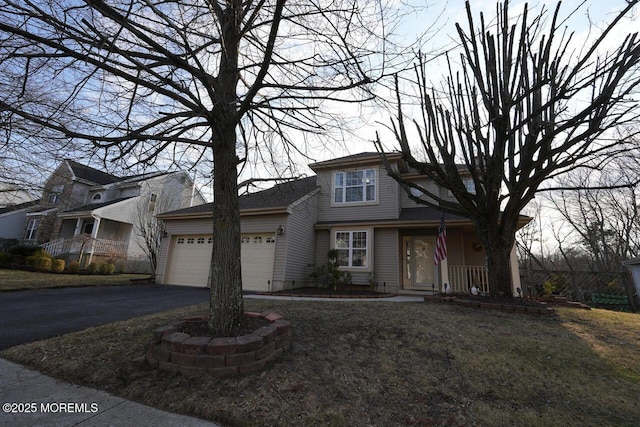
column 93, row 206
column 278, row 196
column 91, row 174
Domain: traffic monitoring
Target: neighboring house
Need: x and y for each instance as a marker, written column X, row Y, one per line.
column 85, row 212
column 351, row 205
column 11, row 195
column 13, row 218
column 633, row 265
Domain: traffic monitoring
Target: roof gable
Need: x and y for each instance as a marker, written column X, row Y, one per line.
column 90, row 174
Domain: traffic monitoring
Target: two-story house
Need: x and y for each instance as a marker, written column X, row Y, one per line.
column 86, row 213
column 351, row 205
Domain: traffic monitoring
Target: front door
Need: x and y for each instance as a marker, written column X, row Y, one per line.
column 418, row 270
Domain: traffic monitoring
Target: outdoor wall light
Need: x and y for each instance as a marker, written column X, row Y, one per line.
column 280, row 230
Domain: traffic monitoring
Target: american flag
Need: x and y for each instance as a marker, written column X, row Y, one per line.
column 441, row 243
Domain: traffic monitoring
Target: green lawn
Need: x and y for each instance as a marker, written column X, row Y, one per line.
column 381, row 364
column 13, row 280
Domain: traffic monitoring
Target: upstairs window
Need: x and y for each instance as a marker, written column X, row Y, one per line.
column 152, row 202
column 54, row 195
column 355, row 186
column 469, row 185
column 96, row 197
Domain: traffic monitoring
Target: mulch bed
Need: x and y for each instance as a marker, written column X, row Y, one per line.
column 314, row 292
column 506, row 304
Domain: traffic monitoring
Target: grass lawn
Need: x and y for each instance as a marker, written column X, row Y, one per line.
column 382, row 364
column 15, row 280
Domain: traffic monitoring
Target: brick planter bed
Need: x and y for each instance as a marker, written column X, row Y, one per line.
column 540, row 309
column 175, row 351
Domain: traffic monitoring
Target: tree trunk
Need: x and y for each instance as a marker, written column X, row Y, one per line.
column 226, row 306
column 499, row 266
column 498, row 253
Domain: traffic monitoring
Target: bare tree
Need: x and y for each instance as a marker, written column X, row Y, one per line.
column 527, row 103
column 601, row 209
column 197, row 79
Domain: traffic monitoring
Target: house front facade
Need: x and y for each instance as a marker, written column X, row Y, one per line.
column 86, row 213
column 382, row 237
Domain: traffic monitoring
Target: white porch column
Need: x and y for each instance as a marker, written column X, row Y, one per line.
column 94, row 235
column 76, row 232
column 444, row 274
column 515, row 272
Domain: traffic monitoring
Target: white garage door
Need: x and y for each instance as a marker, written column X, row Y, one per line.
column 190, row 257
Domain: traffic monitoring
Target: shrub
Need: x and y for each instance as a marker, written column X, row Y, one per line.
column 92, row 268
column 73, row 267
column 5, row 259
column 107, row 268
column 39, row 263
column 7, row 244
column 57, row 265
column 26, row 250
column 330, row 274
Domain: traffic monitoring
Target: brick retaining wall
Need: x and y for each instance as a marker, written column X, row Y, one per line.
column 175, row 351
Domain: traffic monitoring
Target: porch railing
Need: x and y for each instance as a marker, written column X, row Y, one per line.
column 463, row 277
column 81, row 244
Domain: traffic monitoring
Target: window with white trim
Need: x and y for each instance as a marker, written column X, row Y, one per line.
column 354, row 186
column 56, row 192
column 32, row 229
column 352, row 247
column 152, row 202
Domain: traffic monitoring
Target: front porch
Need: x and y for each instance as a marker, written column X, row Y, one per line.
column 85, row 244
column 90, row 235
column 463, row 268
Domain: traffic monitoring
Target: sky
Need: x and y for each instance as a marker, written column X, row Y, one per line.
column 438, row 19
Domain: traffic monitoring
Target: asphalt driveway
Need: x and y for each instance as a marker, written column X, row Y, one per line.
column 27, row 316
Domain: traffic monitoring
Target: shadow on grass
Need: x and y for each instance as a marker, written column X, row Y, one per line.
column 375, row 363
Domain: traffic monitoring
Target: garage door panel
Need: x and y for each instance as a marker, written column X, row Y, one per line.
column 190, row 258
column 191, row 255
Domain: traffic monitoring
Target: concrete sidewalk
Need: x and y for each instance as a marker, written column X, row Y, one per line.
column 54, row 403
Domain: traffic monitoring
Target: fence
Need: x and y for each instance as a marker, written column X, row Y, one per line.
column 576, row 285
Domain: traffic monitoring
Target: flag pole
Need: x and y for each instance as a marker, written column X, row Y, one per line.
column 440, row 256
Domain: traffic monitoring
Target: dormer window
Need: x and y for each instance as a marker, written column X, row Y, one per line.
column 54, row 195
column 354, row 186
column 96, row 198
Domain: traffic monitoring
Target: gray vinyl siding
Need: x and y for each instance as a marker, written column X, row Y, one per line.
column 427, row 184
column 386, row 257
column 301, row 242
column 323, row 243
column 387, row 205
column 12, row 224
column 455, row 246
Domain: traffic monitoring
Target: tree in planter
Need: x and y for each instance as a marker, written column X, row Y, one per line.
column 522, row 108
column 232, row 81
